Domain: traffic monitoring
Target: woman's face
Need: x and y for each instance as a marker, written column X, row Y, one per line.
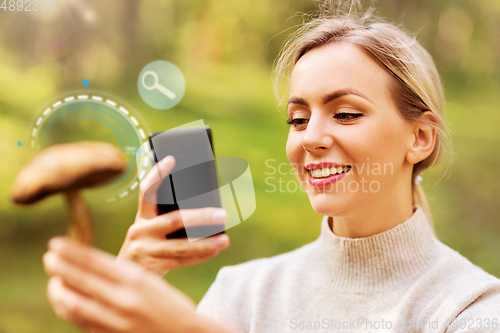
column 344, row 118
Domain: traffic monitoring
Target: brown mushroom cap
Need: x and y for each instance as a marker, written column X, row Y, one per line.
column 65, row 167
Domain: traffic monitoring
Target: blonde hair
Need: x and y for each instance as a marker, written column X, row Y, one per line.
column 416, row 85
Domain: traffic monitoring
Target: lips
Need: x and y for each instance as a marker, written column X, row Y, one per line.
column 323, row 165
column 321, row 174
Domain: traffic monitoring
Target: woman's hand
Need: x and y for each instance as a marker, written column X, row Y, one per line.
column 98, row 294
column 145, row 242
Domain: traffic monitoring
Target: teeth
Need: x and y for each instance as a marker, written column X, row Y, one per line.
column 325, row 172
column 316, row 173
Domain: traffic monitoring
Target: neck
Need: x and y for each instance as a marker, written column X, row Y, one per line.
column 374, row 218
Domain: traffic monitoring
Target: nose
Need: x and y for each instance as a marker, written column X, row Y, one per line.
column 317, row 137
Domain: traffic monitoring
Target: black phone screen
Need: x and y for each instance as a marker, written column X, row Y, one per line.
column 194, row 182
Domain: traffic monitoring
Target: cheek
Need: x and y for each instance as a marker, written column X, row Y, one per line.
column 382, row 142
column 294, row 147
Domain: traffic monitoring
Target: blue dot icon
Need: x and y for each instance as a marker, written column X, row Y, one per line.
column 161, row 84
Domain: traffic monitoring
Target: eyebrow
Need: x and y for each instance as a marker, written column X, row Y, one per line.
column 331, row 96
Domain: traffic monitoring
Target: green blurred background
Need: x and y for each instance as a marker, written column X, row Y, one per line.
column 225, row 49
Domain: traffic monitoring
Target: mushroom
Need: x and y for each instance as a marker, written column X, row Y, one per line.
column 68, row 168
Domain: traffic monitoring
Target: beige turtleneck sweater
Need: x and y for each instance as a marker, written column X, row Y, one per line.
column 400, row 280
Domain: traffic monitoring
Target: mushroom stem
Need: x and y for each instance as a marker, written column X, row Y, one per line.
column 81, row 221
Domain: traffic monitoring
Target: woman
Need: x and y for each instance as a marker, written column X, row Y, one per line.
column 366, row 116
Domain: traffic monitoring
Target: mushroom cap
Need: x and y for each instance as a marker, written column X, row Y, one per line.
column 67, row 167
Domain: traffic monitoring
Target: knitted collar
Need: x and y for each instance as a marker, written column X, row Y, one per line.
column 378, row 262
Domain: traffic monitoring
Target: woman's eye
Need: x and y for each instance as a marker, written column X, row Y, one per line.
column 341, row 117
column 346, row 116
column 296, row 122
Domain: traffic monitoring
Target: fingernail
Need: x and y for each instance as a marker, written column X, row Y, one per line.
column 55, row 243
column 49, row 258
column 167, row 159
column 59, row 309
column 221, row 241
column 219, row 215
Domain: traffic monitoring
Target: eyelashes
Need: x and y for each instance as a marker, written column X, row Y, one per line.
column 296, row 121
column 341, row 117
column 347, row 116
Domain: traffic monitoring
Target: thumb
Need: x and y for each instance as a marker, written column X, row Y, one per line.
column 150, row 184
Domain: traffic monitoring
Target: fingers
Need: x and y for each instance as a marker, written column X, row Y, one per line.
column 80, row 279
column 164, row 224
column 87, row 314
column 183, row 248
column 160, row 256
column 85, row 277
column 89, row 259
column 188, row 261
column 150, row 184
column 161, row 265
column 147, row 245
column 178, row 219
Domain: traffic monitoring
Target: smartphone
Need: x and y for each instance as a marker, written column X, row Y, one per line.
column 190, row 184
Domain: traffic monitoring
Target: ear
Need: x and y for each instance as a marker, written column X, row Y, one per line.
column 424, row 138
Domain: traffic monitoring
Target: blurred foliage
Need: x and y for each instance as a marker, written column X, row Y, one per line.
column 226, row 49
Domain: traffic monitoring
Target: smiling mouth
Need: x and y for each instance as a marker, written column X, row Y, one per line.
column 327, row 172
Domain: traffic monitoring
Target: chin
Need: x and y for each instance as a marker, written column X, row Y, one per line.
column 330, row 204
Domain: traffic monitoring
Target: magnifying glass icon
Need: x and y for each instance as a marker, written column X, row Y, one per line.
column 156, row 85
